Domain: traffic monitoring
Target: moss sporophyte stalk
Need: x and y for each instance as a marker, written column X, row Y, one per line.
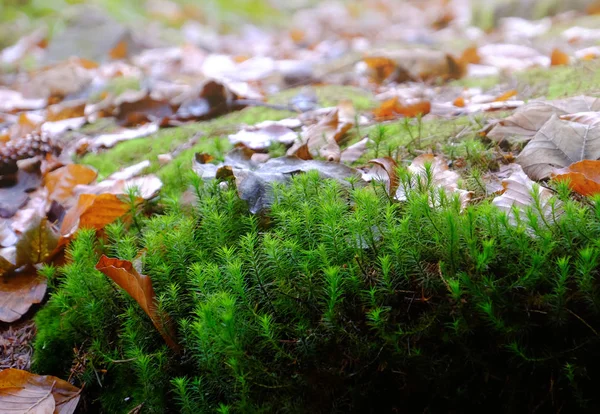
column 337, row 299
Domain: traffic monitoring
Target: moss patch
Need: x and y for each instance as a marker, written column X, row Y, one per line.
column 560, row 81
column 329, row 95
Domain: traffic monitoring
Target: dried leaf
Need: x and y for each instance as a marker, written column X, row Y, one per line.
column 506, row 96
column 18, row 291
column 109, row 140
column 139, row 287
column 527, row 120
column 24, row 392
column 383, row 170
column 38, row 244
column 559, row 57
column 258, row 138
column 441, row 175
column 583, row 177
column 392, row 109
column 587, row 118
column 61, row 182
column 355, row 151
column 92, row 211
column 517, row 193
column 16, row 196
column 559, row 144
column 470, row 55
column 322, row 138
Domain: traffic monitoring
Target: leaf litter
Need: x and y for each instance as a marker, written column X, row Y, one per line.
column 406, row 57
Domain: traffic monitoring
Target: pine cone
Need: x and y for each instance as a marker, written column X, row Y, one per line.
column 31, row 145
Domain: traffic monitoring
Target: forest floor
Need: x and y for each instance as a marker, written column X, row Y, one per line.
column 94, row 103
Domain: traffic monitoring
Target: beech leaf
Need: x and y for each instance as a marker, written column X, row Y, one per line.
column 559, row 144
column 92, row 211
column 583, row 177
column 61, row 182
column 24, row 392
column 18, row 291
column 139, row 287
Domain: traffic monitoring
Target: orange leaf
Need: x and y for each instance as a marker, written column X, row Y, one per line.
column 559, row 58
column 460, row 102
column 24, row 392
column 139, row 287
column 382, row 68
column 470, row 55
column 583, row 176
column 92, row 211
column 392, row 109
column 60, row 182
column 65, row 110
column 506, row 96
column 18, row 291
column 119, row 51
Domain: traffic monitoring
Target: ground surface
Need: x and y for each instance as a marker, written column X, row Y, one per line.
column 170, row 88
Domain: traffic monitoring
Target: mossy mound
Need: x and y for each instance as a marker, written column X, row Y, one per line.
column 337, row 300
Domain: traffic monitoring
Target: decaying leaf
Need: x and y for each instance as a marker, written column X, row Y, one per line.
column 355, row 151
column 587, row 118
column 92, row 211
column 109, row 140
column 61, row 182
column 527, row 120
column 559, row 58
column 18, row 291
column 24, row 392
column 441, row 177
column 583, row 177
column 393, row 108
column 518, row 194
column 139, row 287
column 383, row 170
column 559, row 144
column 38, row 243
column 258, row 138
column 13, row 197
column 321, row 139
column 253, row 182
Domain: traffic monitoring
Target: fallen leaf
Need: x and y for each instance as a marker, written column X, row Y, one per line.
column 355, row 151
column 110, row 140
column 583, row 177
column 258, row 138
column 139, row 287
column 13, row 197
column 393, row 108
column 528, row 119
column 24, row 392
column 559, row 57
column 470, row 56
column 382, row 68
column 148, row 186
column 587, row 118
column 92, row 211
column 559, row 144
column 18, row 292
column 142, row 110
column 65, row 110
column 38, row 243
column 517, row 194
column 506, row 96
column 61, row 182
column 321, row 139
column 460, row 102
column 441, row 177
column 383, row 170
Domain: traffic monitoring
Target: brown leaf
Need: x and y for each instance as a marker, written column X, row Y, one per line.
column 517, row 193
column 384, row 170
column 16, row 196
column 24, row 392
column 583, row 177
column 139, row 287
column 559, row 144
column 559, row 57
column 506, row 96
column 18, row 291
column 65, row 110
column 120, row 51
column 38, row 244
column 322, row 138
column 392, row 109
column 382, row 68
column 143, row 110
column 61, row 182
column 92, row 211
column 470, row 55
column 588, row 118
column 527, row 120
column 442, row 177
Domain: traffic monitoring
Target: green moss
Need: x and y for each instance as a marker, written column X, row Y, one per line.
column 329, row 95
column 212, row 138
column 485, row 82
column 560, row 81
column 336, row 301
